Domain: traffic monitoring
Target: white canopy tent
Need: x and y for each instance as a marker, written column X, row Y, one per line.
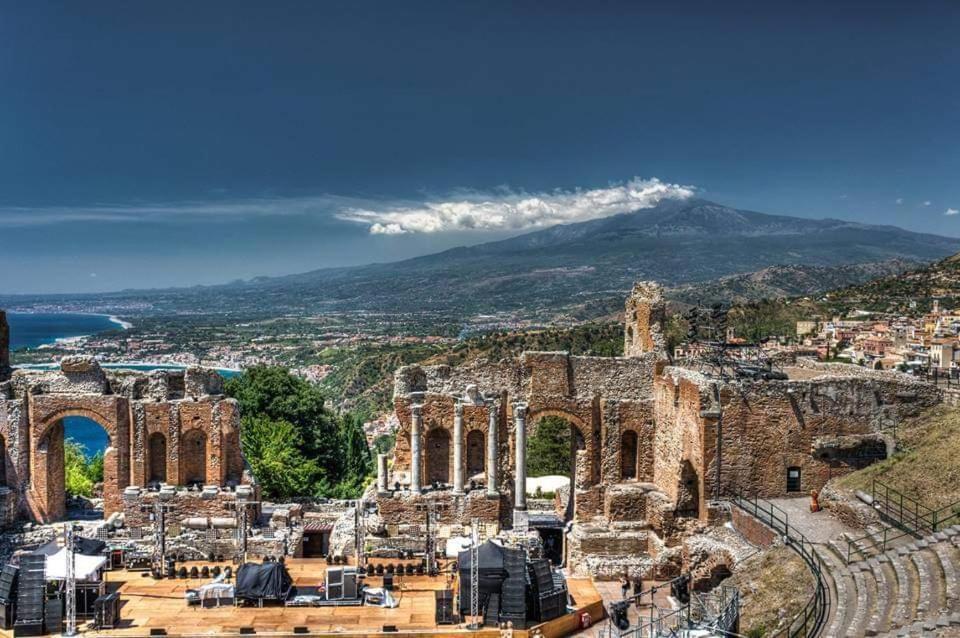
column 84, row 567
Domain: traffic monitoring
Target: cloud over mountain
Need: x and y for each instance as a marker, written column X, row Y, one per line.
column 513, row 210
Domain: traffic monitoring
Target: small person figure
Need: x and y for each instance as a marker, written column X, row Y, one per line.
column 637, row 590
column 814, row 501
column 624, row 587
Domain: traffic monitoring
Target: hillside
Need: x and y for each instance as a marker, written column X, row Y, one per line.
column 896, row 294
column 778, row 282
column 574, row 271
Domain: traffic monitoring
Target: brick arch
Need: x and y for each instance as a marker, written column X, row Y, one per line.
column 46, row 497
column 533, row 419
column 582, row 479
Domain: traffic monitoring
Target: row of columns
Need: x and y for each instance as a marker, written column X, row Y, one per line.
column 416, row 473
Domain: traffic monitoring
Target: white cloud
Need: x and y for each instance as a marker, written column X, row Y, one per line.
column 952, row 211
column 927, row 203
column 511, row 210
column 899, row 200
column 502, row 209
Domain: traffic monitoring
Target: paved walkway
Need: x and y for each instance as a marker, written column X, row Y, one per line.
column 818, row 527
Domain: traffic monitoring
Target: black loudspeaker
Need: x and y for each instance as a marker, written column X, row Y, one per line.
column 388, row 582
column 247, row 631
column 8, row 581
column 28, row 629
column 106, row 611
column 389, row 628
column 53, row 616
column 444, row 613
column 156, row 631
column 680, row 589
column 301, row 630
column 618, row 612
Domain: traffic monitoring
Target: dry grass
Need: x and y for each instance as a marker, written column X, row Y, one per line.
column 774, row 586
column 928, row 468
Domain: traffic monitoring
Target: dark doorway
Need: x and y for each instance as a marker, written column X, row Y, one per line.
column 552, row 538
column 316, row 544
column 475, row 453
column 793, row 479
column 628, row 455
column 157, row 458
column 194, row 457
column 438, row 456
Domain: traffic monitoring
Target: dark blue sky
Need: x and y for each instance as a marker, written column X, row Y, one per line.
column 175, row 143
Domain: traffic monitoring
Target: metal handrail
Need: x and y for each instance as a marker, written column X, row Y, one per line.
column 909, row 513
column 810, row 620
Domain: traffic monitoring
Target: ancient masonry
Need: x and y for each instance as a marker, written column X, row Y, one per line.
column 654, row 446
column 170, row 428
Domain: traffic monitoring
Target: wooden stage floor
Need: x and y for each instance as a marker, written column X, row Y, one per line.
column 153, row 604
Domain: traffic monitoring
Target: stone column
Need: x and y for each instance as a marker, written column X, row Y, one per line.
column 458, row 448
column 520, row 462
column 492, row 445
column 382, row 474
column 416, row 422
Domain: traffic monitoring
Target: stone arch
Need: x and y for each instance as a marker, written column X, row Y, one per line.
column 193, row 457
column 47, row 494
column 476, row 452
column 157, row 458
column 582, row 472
column 629, row 448
column 437, row 455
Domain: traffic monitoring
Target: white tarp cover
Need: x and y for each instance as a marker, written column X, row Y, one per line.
column 84, row 567
column 380, row 597
column 215, row 590
column 456, row 544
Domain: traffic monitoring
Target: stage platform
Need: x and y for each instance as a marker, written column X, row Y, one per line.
column 148, row 604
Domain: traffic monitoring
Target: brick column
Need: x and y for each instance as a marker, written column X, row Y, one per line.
column 382, row 473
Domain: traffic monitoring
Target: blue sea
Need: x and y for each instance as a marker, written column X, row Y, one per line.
column 29, row 330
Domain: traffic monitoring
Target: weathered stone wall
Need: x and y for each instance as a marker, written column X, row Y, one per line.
column 146, row 417
column 644, row 317
column 769, row 426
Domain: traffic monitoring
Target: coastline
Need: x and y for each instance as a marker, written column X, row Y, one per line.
column 125, row 325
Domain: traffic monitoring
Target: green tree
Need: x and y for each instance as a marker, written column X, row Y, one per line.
column 548, row 450
column 273, row 449
column 357, row 462
column 78, row 481
column 275, row 393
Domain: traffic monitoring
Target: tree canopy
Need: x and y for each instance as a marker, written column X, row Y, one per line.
column 294, row 444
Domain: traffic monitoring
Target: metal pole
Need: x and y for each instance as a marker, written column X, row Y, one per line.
column 474, row 575
column 71, row 584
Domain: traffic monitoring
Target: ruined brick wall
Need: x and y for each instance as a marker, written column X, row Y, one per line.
column 645, row 314
column 767, row 427
column 677, row 441
column 145, row 416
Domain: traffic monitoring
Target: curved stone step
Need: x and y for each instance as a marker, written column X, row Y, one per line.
column 838, row 575
column 907, row 586
column 949, row 558
column 932, row 602
column 886, row 587
column 865, row 602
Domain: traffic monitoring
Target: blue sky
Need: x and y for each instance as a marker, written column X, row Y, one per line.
column 176, row 143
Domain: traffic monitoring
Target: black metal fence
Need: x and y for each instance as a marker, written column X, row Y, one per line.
column 810, row 620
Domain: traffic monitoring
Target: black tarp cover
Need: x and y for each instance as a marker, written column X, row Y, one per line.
column 89, row 546
column 490, row 569
column 269, row 581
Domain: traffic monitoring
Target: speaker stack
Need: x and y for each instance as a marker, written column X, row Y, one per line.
column 513, row 592
column 30, row 595
column 444, row 600
column 106, row 611
column 548, row 591
column 8, row 595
